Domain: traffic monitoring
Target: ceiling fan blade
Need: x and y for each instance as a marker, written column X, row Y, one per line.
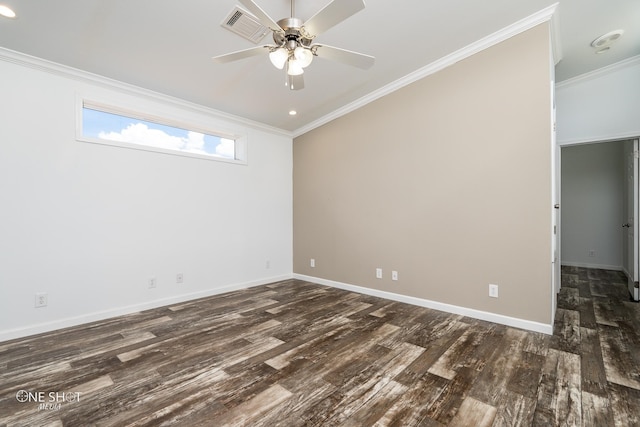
column 332, row 14
column 295, row 82
column 348, row 57
column 240, row 54
column 262, row 16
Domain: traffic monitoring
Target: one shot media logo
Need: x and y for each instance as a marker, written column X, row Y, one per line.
column 51, row 400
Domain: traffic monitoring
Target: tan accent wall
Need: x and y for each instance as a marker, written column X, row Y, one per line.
column 447, row 181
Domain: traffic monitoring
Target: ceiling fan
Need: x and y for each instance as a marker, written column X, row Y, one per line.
column 294, row 48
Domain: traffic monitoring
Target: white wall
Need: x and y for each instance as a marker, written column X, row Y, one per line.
column 599, row 106
column 593, row 197
column 89, row 224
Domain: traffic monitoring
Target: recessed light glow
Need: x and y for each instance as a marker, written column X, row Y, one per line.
column 6, row 12
column 293, row 112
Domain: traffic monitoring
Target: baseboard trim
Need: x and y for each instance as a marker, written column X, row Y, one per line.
column 596, row 266
column 449, row 308
column 131, row 309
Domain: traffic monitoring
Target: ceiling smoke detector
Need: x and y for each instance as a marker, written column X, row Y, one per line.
column 604, row 42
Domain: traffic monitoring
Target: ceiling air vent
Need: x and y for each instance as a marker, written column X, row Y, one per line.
column 245, row 25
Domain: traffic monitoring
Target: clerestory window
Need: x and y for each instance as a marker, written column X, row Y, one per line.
column 112, row 126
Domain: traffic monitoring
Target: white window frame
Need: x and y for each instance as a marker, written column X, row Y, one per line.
column 240, row 140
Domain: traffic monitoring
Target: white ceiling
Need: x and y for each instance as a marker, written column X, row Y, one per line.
column 166, row 46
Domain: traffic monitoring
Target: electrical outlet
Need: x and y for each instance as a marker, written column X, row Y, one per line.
column 394, row 275
column 312, row 263
column 179, row 278
column 592, row 253
column 493, row 291
column 152, row 282
column 378, row 273
column 267, row 264
column 41, row 299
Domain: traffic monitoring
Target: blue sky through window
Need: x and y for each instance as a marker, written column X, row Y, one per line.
column 113, row 127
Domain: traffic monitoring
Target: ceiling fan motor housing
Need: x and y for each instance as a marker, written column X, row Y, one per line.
column 292, row 35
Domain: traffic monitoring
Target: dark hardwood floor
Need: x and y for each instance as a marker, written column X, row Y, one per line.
column 294, row 353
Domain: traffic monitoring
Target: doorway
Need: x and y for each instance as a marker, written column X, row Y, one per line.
column 598, row 202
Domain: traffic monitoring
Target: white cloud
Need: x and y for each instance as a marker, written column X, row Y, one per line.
column 194, row 142
column 140, row 133
column 226, row 148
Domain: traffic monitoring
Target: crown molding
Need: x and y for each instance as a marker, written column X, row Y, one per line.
column 512, row 30
column 600, row 72
column 22, row 59
column 556, row 44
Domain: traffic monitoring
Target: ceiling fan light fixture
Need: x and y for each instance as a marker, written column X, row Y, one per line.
column 303, row 55
column 293, row 49
column 294, row 67
column 279, row 57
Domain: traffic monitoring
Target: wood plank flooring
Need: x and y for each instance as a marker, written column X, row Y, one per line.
column 294, row 353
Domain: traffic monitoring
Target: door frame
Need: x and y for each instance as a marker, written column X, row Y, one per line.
column 556, row 272
column 632, row 276
column 557, row 171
